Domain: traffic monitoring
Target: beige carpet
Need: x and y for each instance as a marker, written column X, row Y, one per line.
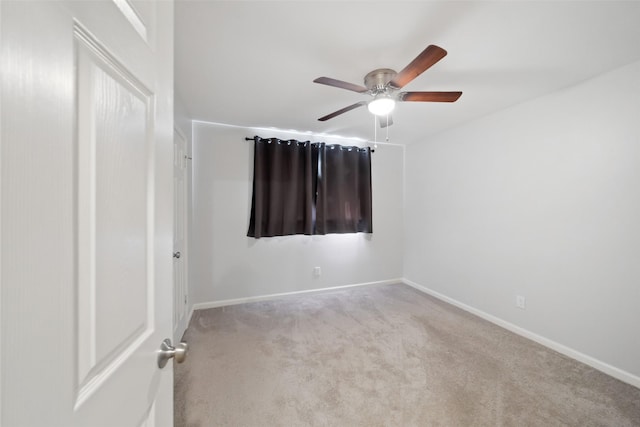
column 382, row 356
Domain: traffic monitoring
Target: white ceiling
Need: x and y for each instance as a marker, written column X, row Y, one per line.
column 252, row 63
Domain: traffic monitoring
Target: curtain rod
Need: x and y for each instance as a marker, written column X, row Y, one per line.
column 373, row 150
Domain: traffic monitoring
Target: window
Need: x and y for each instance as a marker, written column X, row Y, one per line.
column 309, row 188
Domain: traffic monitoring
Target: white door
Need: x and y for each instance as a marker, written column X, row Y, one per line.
column 86, row 212
column 179, row 235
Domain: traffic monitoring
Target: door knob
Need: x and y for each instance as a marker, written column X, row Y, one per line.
column 176, row 254
column 167, row 351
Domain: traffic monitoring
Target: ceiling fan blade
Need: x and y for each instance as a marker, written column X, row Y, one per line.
column 340, row 84
column 426, row 59
column 429, row 96
column 385, row 121
column 344, row 110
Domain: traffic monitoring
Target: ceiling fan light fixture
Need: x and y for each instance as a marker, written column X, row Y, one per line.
column 381, row 106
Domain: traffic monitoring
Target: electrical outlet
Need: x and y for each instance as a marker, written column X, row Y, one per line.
column 316, row 272
column 520, row 302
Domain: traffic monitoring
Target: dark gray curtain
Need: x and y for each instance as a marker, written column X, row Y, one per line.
column 305, row 188
column 344, row 190
column 284, row 182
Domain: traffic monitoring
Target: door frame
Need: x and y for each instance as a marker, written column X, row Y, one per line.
column 181, row 326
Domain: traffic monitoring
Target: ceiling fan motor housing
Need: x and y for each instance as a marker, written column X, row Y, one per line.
column 376, row 81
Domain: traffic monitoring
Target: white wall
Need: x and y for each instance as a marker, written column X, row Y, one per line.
column 540, row 200
column 226, row 264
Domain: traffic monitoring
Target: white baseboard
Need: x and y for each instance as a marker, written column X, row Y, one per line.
column 560, row 348
column 223, row 303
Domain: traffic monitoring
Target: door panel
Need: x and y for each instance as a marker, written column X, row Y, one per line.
column 86, row 192
column 114, row 145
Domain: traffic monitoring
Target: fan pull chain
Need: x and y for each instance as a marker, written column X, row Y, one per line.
column 387, row 128
column 375, row 131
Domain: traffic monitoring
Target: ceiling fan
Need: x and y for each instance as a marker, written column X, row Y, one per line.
column 383, row 83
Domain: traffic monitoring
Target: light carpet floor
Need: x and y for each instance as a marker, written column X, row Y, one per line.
column 382, row 356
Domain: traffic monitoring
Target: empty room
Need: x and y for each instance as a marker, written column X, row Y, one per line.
column 320, row 213
column 516, row 203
